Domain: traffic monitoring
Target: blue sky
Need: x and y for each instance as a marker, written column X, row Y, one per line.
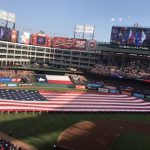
column 60, row 16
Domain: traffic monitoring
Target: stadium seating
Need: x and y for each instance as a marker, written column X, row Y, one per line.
column 6, row 145
column 127, row 68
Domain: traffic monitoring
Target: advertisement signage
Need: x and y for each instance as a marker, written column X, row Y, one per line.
column 79, row 44
column 94, row 86
column 2, row 79
column 39, row 39
column 2, row 85
column 66, row 43
column 138, row 95
column 130, row 36
column 25, row 38
column 80, row 86
column 110, row 87
column 25, row 84
column 62, row 42
column 91, row 45
column 16, row 79
column 114, row 91
column 14, row 36
column 5, row 34
column 103, row 90
column 49, row 42
column 11, row 85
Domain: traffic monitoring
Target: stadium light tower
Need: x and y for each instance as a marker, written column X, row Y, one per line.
column 8, row 17
column 136, row 25
column 82, row 30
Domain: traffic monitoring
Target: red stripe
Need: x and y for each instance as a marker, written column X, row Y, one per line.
column 59, row 82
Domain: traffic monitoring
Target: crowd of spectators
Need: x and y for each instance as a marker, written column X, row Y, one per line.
column 77, row 79
column 127, row 68
column 6, row 145
column 120, row 84
column 27, row 76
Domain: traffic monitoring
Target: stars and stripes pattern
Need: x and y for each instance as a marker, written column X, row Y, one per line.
column 28, row 100
column 26, row 95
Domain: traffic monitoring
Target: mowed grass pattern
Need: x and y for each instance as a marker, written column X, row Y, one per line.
column 132, row 141
column 42, row 130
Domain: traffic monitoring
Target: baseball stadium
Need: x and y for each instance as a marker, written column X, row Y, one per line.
column 62, row 93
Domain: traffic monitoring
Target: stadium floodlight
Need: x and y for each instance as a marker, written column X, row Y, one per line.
column 7, row 16
column 11, row 17
column 89, row 29
column 136, row 25
column 3, row 15
column 79, row 28
column 84, row 29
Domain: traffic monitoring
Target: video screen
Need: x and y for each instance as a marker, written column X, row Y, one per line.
column 41, row 40
column 130, row 36
column 5, row 34
column 25, row 38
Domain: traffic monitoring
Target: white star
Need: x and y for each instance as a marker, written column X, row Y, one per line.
column 41, row 79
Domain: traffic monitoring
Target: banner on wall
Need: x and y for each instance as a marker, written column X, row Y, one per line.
column 11, row 85
column 80, row 86
column 16, row 79
column 2, row 85
column 2, row 79
column 25, row 84
column 110, row 87
column 94, row 86
column 138, row 95
column 114, row 91
column 103, row 90
column 91, row 44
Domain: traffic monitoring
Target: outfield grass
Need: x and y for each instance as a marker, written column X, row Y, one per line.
column 132, row 141
column 42, row 130
column 54, row 89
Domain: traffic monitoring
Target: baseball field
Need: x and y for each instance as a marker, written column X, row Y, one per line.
column 42, row 130
column 106, row 131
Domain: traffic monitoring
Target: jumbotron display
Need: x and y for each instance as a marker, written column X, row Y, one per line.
column 130, row 36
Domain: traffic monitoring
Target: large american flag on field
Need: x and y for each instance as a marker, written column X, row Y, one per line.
column 29, row 100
